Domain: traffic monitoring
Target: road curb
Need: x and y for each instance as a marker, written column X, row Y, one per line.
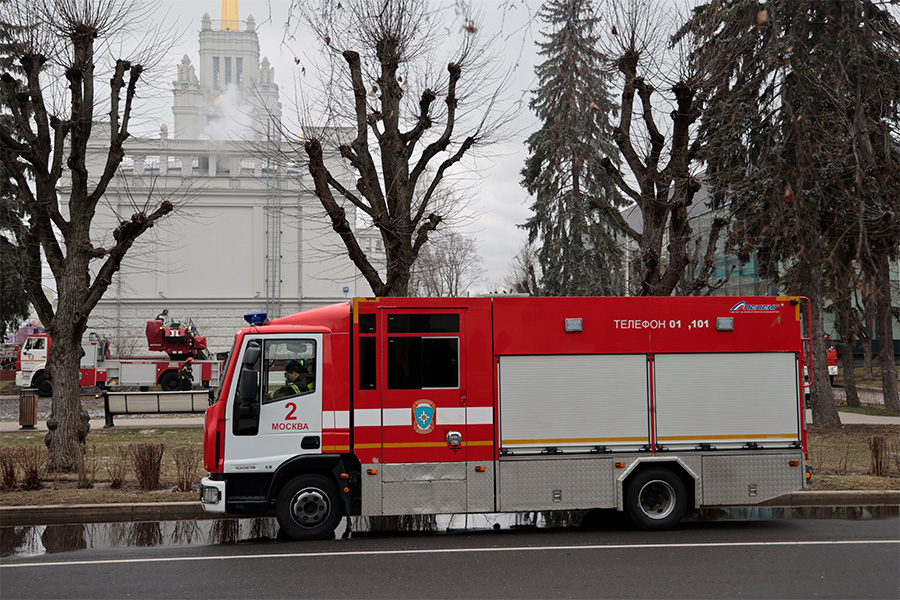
column 15, row 516
column 838, row 498
column 61, row 514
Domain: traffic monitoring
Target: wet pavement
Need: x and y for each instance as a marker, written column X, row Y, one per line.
column 38, row 540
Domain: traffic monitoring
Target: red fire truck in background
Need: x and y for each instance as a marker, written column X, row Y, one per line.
column 399, row 406
column 178, row 340
column 831, row 358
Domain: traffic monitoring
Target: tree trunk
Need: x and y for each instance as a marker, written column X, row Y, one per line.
column 66, row 430
column 65, row 425
column 821, row 398
column 868, row 369
column 848, row 339
column 882, row 279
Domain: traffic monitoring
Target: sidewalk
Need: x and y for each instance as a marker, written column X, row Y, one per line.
column 848, row 418
column 120, row 422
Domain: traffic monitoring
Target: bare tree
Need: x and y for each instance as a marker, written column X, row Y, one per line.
column 523, row 275
column 659, row 156
column 400, row 140
column 447, row 266
column 58, row 45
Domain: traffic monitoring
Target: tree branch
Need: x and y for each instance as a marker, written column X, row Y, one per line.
column 440, row 144
column 336, row 213
column 125, row 235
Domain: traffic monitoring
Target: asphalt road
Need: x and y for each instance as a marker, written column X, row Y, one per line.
column 787, row 558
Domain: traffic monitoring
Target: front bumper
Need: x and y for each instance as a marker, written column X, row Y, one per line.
column 212, row 495
column 23, row 379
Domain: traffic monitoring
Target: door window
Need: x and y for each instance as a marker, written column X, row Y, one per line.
column 289, row 369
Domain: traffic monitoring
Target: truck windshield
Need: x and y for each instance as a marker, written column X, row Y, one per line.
column 224, row 370
column 34, row 343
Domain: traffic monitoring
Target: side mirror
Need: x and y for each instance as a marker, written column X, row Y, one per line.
column 251, row 355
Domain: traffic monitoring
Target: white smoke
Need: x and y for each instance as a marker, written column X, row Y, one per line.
column 233, row 121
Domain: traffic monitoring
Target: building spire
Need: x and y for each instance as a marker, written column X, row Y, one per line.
column 230, row 16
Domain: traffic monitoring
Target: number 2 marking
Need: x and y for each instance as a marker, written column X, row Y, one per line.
column 290, row 416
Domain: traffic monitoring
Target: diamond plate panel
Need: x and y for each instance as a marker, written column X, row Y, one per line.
column 556, row 484
column 424, row 471
column 424, row 497
column 371, row 491
column 480, row 488
column 729, row 480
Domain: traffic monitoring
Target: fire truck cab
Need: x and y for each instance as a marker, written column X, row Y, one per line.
column 399, row 406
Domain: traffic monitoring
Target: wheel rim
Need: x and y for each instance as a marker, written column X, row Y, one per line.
column 657, row 499
column 310, row 507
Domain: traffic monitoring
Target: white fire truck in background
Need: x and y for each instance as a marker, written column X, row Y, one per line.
column 179, row 341
column 399, row 406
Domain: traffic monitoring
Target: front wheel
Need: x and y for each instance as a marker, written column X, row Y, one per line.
column 656, row 499
column 308, row 508
column 42, row 384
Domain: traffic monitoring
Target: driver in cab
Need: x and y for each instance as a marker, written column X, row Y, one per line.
column 297, row 380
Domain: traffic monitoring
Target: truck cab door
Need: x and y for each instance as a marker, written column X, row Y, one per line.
column 34, row 352
column 283, row 417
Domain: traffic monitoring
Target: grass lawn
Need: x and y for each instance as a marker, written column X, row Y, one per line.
column 102, row 451
column 841, row 458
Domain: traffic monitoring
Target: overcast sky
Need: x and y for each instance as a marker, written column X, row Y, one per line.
column 500, row 203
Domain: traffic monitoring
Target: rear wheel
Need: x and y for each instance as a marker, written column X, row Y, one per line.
column 308, row 508
column 656, row 499
column 42, row 384
column 170, row 381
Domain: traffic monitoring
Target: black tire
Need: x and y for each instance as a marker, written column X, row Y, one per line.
column 170, row 382
column 42, row 384
column 655, row 499
column 309, row 508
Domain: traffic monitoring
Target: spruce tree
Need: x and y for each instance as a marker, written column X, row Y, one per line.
column 576, row 247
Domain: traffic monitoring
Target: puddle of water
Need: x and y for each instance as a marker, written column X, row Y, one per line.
column 852, row 513
column 36, row 540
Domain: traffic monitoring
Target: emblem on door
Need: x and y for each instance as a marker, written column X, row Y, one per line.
column 423, row 416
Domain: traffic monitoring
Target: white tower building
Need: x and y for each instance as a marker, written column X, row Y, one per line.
column 247, row 233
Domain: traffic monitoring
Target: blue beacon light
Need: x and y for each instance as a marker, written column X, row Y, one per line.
column 256, row 318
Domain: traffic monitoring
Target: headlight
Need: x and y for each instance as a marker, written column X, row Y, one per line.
column 209, row 495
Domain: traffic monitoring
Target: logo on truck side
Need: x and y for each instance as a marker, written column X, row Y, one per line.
column 744, row 307
column 423, row 416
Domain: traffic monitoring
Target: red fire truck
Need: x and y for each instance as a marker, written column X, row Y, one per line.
column 177, row 340
column 399, row 406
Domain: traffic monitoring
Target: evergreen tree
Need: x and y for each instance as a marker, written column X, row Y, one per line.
column 13, row 297
column 801, row 141
column 577, row 249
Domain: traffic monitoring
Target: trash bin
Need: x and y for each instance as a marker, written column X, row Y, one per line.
column 28, row 408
